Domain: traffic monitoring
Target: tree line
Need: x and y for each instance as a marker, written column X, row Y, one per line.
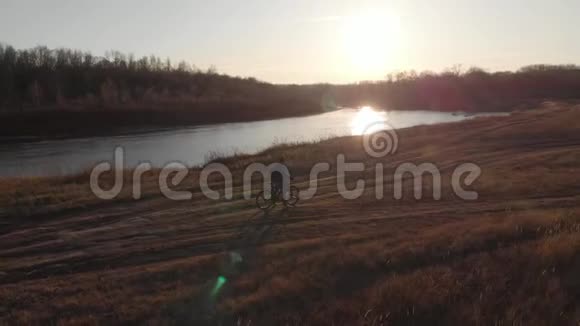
column 61, row 79
column 471, row 90
column 70, row 79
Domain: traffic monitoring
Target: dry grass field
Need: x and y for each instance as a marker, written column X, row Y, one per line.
column 511, row 257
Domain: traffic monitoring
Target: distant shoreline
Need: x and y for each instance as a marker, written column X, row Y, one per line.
column 57, row 124
column 44, row 124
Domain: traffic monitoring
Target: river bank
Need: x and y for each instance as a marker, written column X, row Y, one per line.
column 70, row 123
column 65, row 123
column 509, row 256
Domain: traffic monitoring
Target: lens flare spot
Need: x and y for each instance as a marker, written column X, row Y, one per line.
column 219, row 283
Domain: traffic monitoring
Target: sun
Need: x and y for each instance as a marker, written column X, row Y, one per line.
column 370, row 41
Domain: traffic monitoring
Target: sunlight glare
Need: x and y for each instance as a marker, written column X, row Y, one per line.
column 370, row 40
column 368, row 121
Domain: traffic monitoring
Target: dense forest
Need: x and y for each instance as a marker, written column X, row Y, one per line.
column 64, row 90
column 71, row 79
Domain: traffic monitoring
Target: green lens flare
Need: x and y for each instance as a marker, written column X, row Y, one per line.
column 221, row 280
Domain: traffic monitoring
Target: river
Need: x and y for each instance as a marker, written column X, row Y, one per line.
column 193, row 145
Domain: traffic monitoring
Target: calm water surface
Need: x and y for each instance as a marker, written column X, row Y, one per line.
column 192, row 145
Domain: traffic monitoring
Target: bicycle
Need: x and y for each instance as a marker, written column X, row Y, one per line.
column 264, row 203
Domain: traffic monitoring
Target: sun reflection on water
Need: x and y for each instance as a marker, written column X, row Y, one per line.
column 368, row 121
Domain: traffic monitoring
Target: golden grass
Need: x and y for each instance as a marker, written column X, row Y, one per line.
column 511, row 257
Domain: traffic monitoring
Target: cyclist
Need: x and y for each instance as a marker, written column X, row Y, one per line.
column 279, row 174
column 277, row 177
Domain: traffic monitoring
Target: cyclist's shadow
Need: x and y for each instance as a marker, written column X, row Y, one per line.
column 261, row 227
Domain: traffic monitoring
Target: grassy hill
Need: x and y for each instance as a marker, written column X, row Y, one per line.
column 510, row 257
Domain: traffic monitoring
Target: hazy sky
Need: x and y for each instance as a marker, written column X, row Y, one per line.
column 303, row 41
